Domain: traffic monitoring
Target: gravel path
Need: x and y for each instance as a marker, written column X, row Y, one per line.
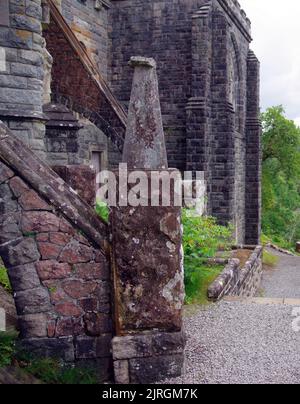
column 284, row 280
column 243, row 342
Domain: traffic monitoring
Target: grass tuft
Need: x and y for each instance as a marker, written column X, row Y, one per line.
column 7, row 348
column 269, row 259
column 203, row 277
column 47, row 370
column 4, row 280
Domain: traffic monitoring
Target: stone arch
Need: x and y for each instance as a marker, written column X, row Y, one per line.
column 56, row 251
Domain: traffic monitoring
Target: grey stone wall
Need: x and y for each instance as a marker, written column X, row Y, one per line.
column 162, row 30
column 236, row 281
column 59, row 272
column 69, row 147
column 201, row 48
column 21, row 82
column 208, row 81
column 89, row 21
column 91, row 139
column 254, row 151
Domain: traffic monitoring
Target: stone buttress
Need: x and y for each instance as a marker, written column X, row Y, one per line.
column 147, row 256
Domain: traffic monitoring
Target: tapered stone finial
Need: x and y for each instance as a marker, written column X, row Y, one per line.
column 144, row 146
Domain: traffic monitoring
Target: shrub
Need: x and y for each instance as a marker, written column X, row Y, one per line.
column 4, row 280
column 7, row 348
column 51, row 371
column 47, row 370
column 202, row 238
column 102, row 210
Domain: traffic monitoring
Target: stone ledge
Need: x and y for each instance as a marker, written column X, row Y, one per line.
column 235, row 281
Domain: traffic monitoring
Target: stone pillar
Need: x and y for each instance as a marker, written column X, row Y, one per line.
column 223, row 128
column 253, row 152
column 144, row 145
column 21, row 82
column 63, row 151
column 198, row 109
column 61, row 135
column 147, row 252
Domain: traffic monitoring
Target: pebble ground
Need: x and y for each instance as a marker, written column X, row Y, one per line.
column 245, row 342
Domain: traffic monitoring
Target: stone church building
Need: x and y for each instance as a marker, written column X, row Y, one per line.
column 208, row 82
column 111, row 296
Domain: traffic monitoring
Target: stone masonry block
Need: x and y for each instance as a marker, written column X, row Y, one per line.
column 153, row 369
column 9, row 227
column 61, row 348
column 32, row 301
column 147, row 345
column 33, row 325
column 5, row 173
column 23, row 277
column 31, row 201
column 51, row 269
column 20, row 251
column 39, row 222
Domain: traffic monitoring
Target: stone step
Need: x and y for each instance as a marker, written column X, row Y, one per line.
column 263, row 300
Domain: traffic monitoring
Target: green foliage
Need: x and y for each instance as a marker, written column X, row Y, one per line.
column 51, row 371
column 196, row 286
column 281, row 178
column 281, row 142
column 102, row 210
column 202, row 238
column 48, row 370
column 4, row 280
column 7, row 348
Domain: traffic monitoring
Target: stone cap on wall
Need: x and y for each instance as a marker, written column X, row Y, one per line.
column 15, row 154
column 60, row 117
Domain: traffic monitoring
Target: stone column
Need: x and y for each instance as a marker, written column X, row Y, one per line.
column 21, row 83
column 253, row 152
column 223, row 127
column 199, row 105
column 198, row 108
column 62, row 130
column 147, row 252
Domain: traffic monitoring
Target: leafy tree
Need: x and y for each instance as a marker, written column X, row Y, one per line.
column 281, row 142
column 280, row 177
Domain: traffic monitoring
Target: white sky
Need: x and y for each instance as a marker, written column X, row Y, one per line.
column 276, row 34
